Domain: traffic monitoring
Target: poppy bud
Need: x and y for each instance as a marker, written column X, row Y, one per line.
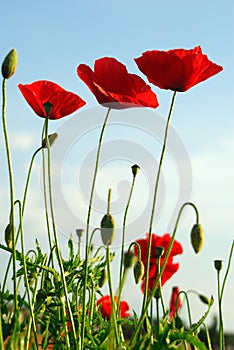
column 107, row 229
column 9, row 235
column 138, row 271
column 204, row 299
column 197, row 238
column 129, row 259
column 135, row 169
column 103, row 278
column 218, row 264
column 178, row 323
column 51, row 138
column 9, row 64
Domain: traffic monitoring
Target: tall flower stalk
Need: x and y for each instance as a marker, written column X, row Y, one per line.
column 88, row 225
column 155, row 200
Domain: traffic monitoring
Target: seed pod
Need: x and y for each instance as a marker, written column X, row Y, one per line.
column 107, row 229
column 218, row 265
column 135, row 169
column 197, row 237
column 138, row 271
column 9, row 64
column 129, row 259
column 51, row 138
column 9, row 235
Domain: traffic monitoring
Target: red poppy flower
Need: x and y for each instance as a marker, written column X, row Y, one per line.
column 176, row 302
column 177, row 69
column 170, row 268
column 114, row 87
column 105, row 307
column 40, row 92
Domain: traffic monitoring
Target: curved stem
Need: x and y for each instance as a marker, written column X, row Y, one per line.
column 10, row 173
column 87, row 228
column 154, row 202
column 188, row 305
column 144, row 312
column 227, row 271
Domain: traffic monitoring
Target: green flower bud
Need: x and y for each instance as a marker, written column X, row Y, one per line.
column 9, row 64
column 138, row 271
column 204, row 299
column 107, row 229
column 135, row 169
column 51, row 138
column 9, row 235
column 197, row 237
column 218, row 264
column 103, row 278
column 129, row 259
column 178, row 323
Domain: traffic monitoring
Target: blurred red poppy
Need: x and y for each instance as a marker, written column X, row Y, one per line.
column 41, row 92
column 176, row 302
column 114, row 87
column 177, row 69
column 170, row 268
column 106, row 308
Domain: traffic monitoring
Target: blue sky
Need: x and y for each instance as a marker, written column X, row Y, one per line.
column 53, row 37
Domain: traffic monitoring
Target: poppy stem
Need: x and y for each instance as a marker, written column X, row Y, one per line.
column 87, row 250
column 154, row 202
column 121, row 274
column 11, row 182
column 59, row 257
column 113, row 304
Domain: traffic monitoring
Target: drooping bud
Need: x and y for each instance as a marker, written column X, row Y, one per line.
column 197, row 237
column 80, row 232
column 47, row 108
column 135, row 169
column 103, row 278
column 107, row 229
column 129, row 259
column 9, row 235
column 138, row 271
column 204, row 299
column 51, row 138
column 9, row 64
column 218, row 264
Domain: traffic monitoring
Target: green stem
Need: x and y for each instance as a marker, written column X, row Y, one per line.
column 123, row 238
column 60, row 262
column 154, row 203
column 188, row 306
column 160, row 284
column 26, row 281
column 227, row 271
column 87, row 228
column 23, row 207
column 221, row 333
column 113, row 304
column 152, row 293
column 10, row 173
